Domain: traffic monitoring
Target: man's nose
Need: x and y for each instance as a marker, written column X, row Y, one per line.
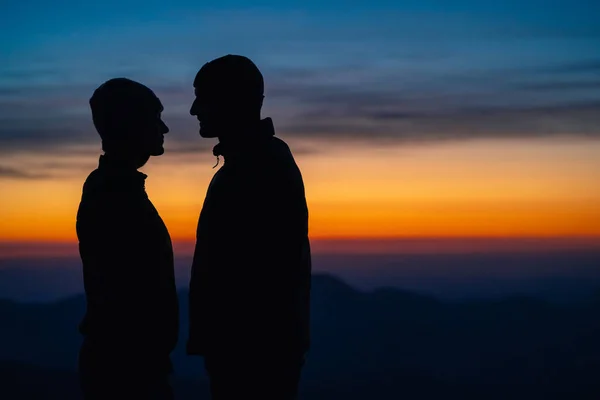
column 193, row 109
column 165, row 128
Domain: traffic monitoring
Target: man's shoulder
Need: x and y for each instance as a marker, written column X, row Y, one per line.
column 220, row 175
column 281, row 155
column 283, row 160
column 96, row 185
column 93, row 182
column 100, row 181
column 280, row 147
column 104, row 190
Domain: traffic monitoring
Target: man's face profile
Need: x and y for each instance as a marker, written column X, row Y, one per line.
column 152, row 129
column 127, row 115
column 210, row 112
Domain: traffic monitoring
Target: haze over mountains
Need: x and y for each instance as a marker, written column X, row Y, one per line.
column 554, row 276
column 381, row 344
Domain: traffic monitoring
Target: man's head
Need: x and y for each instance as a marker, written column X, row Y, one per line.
column 127, row 115
column 229, row 95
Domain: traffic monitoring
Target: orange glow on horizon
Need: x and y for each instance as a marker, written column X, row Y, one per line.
column 475, row 189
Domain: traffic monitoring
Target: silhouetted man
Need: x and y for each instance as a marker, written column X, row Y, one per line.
column 250, row 283
column 131, row 321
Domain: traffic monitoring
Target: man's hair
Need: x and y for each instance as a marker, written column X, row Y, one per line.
column 116, row 103
column 231, row 76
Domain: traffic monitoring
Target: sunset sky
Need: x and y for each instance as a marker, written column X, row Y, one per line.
column 409, row 119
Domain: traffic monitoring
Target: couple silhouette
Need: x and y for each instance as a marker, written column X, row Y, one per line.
column 249, row 290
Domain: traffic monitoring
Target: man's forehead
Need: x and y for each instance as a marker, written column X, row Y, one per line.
column 204, row 82
column 200, row 91
column 199, row 75
column 198, row 85
column 139, row 94
column 152, row 100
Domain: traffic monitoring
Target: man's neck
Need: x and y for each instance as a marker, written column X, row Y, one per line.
column 125, row 161
column 251, row 134
column 239, row 133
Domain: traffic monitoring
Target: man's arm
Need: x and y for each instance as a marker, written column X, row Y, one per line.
column 118, row 264
column 198, row 295
column 205, row 256
column 282, row 213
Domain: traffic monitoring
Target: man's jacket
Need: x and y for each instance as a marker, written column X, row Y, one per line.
column 250, row 280
column 128, row 267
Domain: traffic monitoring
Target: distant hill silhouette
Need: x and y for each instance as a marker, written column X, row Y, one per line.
column 559, row 277
column 384, row 344
column 27, row 382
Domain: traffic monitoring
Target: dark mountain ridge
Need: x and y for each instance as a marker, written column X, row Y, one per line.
column 384, row 343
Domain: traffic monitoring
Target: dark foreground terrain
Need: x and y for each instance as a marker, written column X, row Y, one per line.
column 383, row 344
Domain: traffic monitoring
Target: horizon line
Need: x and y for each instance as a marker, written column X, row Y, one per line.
column 352, row 245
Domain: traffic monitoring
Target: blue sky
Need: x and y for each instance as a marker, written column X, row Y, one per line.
column 390, row 70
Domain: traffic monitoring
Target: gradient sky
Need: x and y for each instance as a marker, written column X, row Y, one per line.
column 408, row 118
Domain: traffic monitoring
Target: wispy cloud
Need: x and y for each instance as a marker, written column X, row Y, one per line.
column 377, row 72
column 342, row 105
column 15, row 173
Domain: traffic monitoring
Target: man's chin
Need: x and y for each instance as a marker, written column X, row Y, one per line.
column 158, row 151
column 207, row 133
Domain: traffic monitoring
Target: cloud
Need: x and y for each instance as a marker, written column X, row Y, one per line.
column 510, row 103
column 344, row 102
column 358, row 116
column 587, row 66
column 15, row 173
column 563, row 86
column 42, row 136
